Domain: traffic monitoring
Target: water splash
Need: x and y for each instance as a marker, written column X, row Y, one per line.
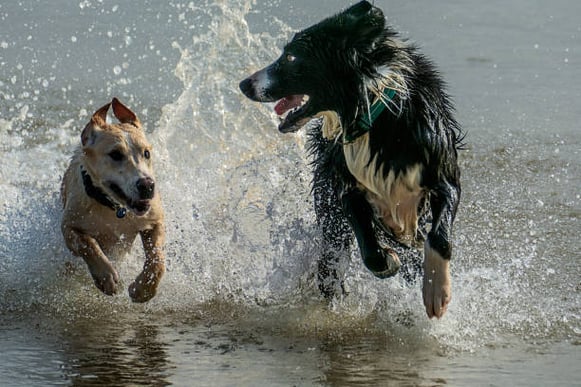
column 234, row 190
column 240, row 226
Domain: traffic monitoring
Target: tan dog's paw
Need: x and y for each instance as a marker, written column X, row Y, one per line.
column 145, row 285
column 437, row 289
column 140, row 292
column 106, row 280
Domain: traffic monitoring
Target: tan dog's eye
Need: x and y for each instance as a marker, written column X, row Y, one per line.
column 146, row 154
column 116, row 155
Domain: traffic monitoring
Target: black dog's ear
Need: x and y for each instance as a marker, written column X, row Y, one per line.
column 365, row 23
column 358, row 10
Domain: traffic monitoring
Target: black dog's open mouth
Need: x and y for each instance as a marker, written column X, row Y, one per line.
column 139, row 207
column 293, row 111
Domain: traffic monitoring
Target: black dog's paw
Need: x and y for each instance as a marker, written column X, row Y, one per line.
column 383, row 263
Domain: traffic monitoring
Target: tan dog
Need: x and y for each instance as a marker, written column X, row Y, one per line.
column 109, row 196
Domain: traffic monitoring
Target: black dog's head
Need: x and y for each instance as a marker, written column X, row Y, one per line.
column 322, row 68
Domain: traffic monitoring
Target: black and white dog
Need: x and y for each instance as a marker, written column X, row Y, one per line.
column 384, row 148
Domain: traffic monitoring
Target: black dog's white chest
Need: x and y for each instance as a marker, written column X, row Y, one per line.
column 395, row 197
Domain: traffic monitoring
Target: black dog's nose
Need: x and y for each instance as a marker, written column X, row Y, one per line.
column 246, row 87
column 145, row 187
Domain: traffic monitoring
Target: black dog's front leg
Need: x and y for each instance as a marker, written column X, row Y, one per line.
column 381, row 262
column 437, row 290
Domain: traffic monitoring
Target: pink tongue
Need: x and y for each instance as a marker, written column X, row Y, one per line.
column 288, row 103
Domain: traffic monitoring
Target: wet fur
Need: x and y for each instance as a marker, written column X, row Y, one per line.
column 117, row 158
column 385, row 185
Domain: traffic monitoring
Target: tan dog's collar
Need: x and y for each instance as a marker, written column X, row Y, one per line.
column 101, row 197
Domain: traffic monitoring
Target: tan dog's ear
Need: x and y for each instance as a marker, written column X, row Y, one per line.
column 124, row 114
column 99, row 119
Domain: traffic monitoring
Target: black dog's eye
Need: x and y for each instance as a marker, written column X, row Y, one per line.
column 290, row 58
column 147, row 154
column 116, row 155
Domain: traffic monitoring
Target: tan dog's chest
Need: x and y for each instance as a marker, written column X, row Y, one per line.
column 84, row 214
column 395, row 198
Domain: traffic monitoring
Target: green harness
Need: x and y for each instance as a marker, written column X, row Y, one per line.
column 365, row 121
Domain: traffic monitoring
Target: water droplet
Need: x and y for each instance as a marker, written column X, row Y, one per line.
column 117, row 70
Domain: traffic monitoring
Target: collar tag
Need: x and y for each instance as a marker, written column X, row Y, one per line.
column 121, row 212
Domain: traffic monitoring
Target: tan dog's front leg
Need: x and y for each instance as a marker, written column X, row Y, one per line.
column 145, row 285
column 86, row 247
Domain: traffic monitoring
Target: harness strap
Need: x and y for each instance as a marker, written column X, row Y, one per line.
column 365, row 122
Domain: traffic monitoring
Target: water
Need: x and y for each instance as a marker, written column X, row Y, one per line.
column 238, row 305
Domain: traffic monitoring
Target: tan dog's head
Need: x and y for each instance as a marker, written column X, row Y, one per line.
column 117, row 157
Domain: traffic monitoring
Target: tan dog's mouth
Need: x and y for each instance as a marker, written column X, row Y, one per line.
column 139, row 207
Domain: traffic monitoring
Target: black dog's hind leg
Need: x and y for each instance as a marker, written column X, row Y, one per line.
column 381, row 262
column 336, row 239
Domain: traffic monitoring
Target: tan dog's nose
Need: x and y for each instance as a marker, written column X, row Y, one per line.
column 145, row 187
